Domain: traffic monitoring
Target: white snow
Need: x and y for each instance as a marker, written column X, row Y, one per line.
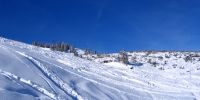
column 31, row 73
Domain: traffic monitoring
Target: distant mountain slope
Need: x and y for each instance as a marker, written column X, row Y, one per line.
column 30, row 73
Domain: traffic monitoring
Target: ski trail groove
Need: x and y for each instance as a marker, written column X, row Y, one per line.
column 29, row 83
column 92, row 80
column 34, row 71
column 59, row 82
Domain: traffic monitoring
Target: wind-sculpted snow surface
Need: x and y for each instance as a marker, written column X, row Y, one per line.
column 33, row 73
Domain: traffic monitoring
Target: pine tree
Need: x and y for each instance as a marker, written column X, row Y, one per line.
column 75, row 53
column 34, row 43
column 123, row 57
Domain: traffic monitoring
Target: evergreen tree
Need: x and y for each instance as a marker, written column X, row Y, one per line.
column 123, row 57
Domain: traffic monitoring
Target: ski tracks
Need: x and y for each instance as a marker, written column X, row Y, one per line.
column 58, row 82
column 29, row 83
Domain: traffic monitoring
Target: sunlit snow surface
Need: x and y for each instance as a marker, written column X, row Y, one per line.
column 31, row 73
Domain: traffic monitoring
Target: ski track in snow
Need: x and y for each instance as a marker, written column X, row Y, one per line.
column 34, row 72
column 108, row 79
column 65, row 87
column 39, row 64
column 27, row 82
column 92, row 80
column 143, row 83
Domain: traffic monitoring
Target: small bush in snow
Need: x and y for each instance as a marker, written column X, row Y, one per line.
column 149, row 61
column 167, row 56
column 154, row 64
column 182, row 67
column 188, row 58
column 161, row 68
column 174, row 65
column 165, row 62
column 160, row 58
column 134, row 59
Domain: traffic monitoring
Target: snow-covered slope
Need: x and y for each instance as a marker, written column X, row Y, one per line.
column 31, row 73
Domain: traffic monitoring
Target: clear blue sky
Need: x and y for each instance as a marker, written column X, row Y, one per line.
column 104, row 25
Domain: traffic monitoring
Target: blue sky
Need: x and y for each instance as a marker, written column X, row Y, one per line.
column 104, row 25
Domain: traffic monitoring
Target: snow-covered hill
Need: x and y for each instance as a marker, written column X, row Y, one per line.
column 31, row 73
